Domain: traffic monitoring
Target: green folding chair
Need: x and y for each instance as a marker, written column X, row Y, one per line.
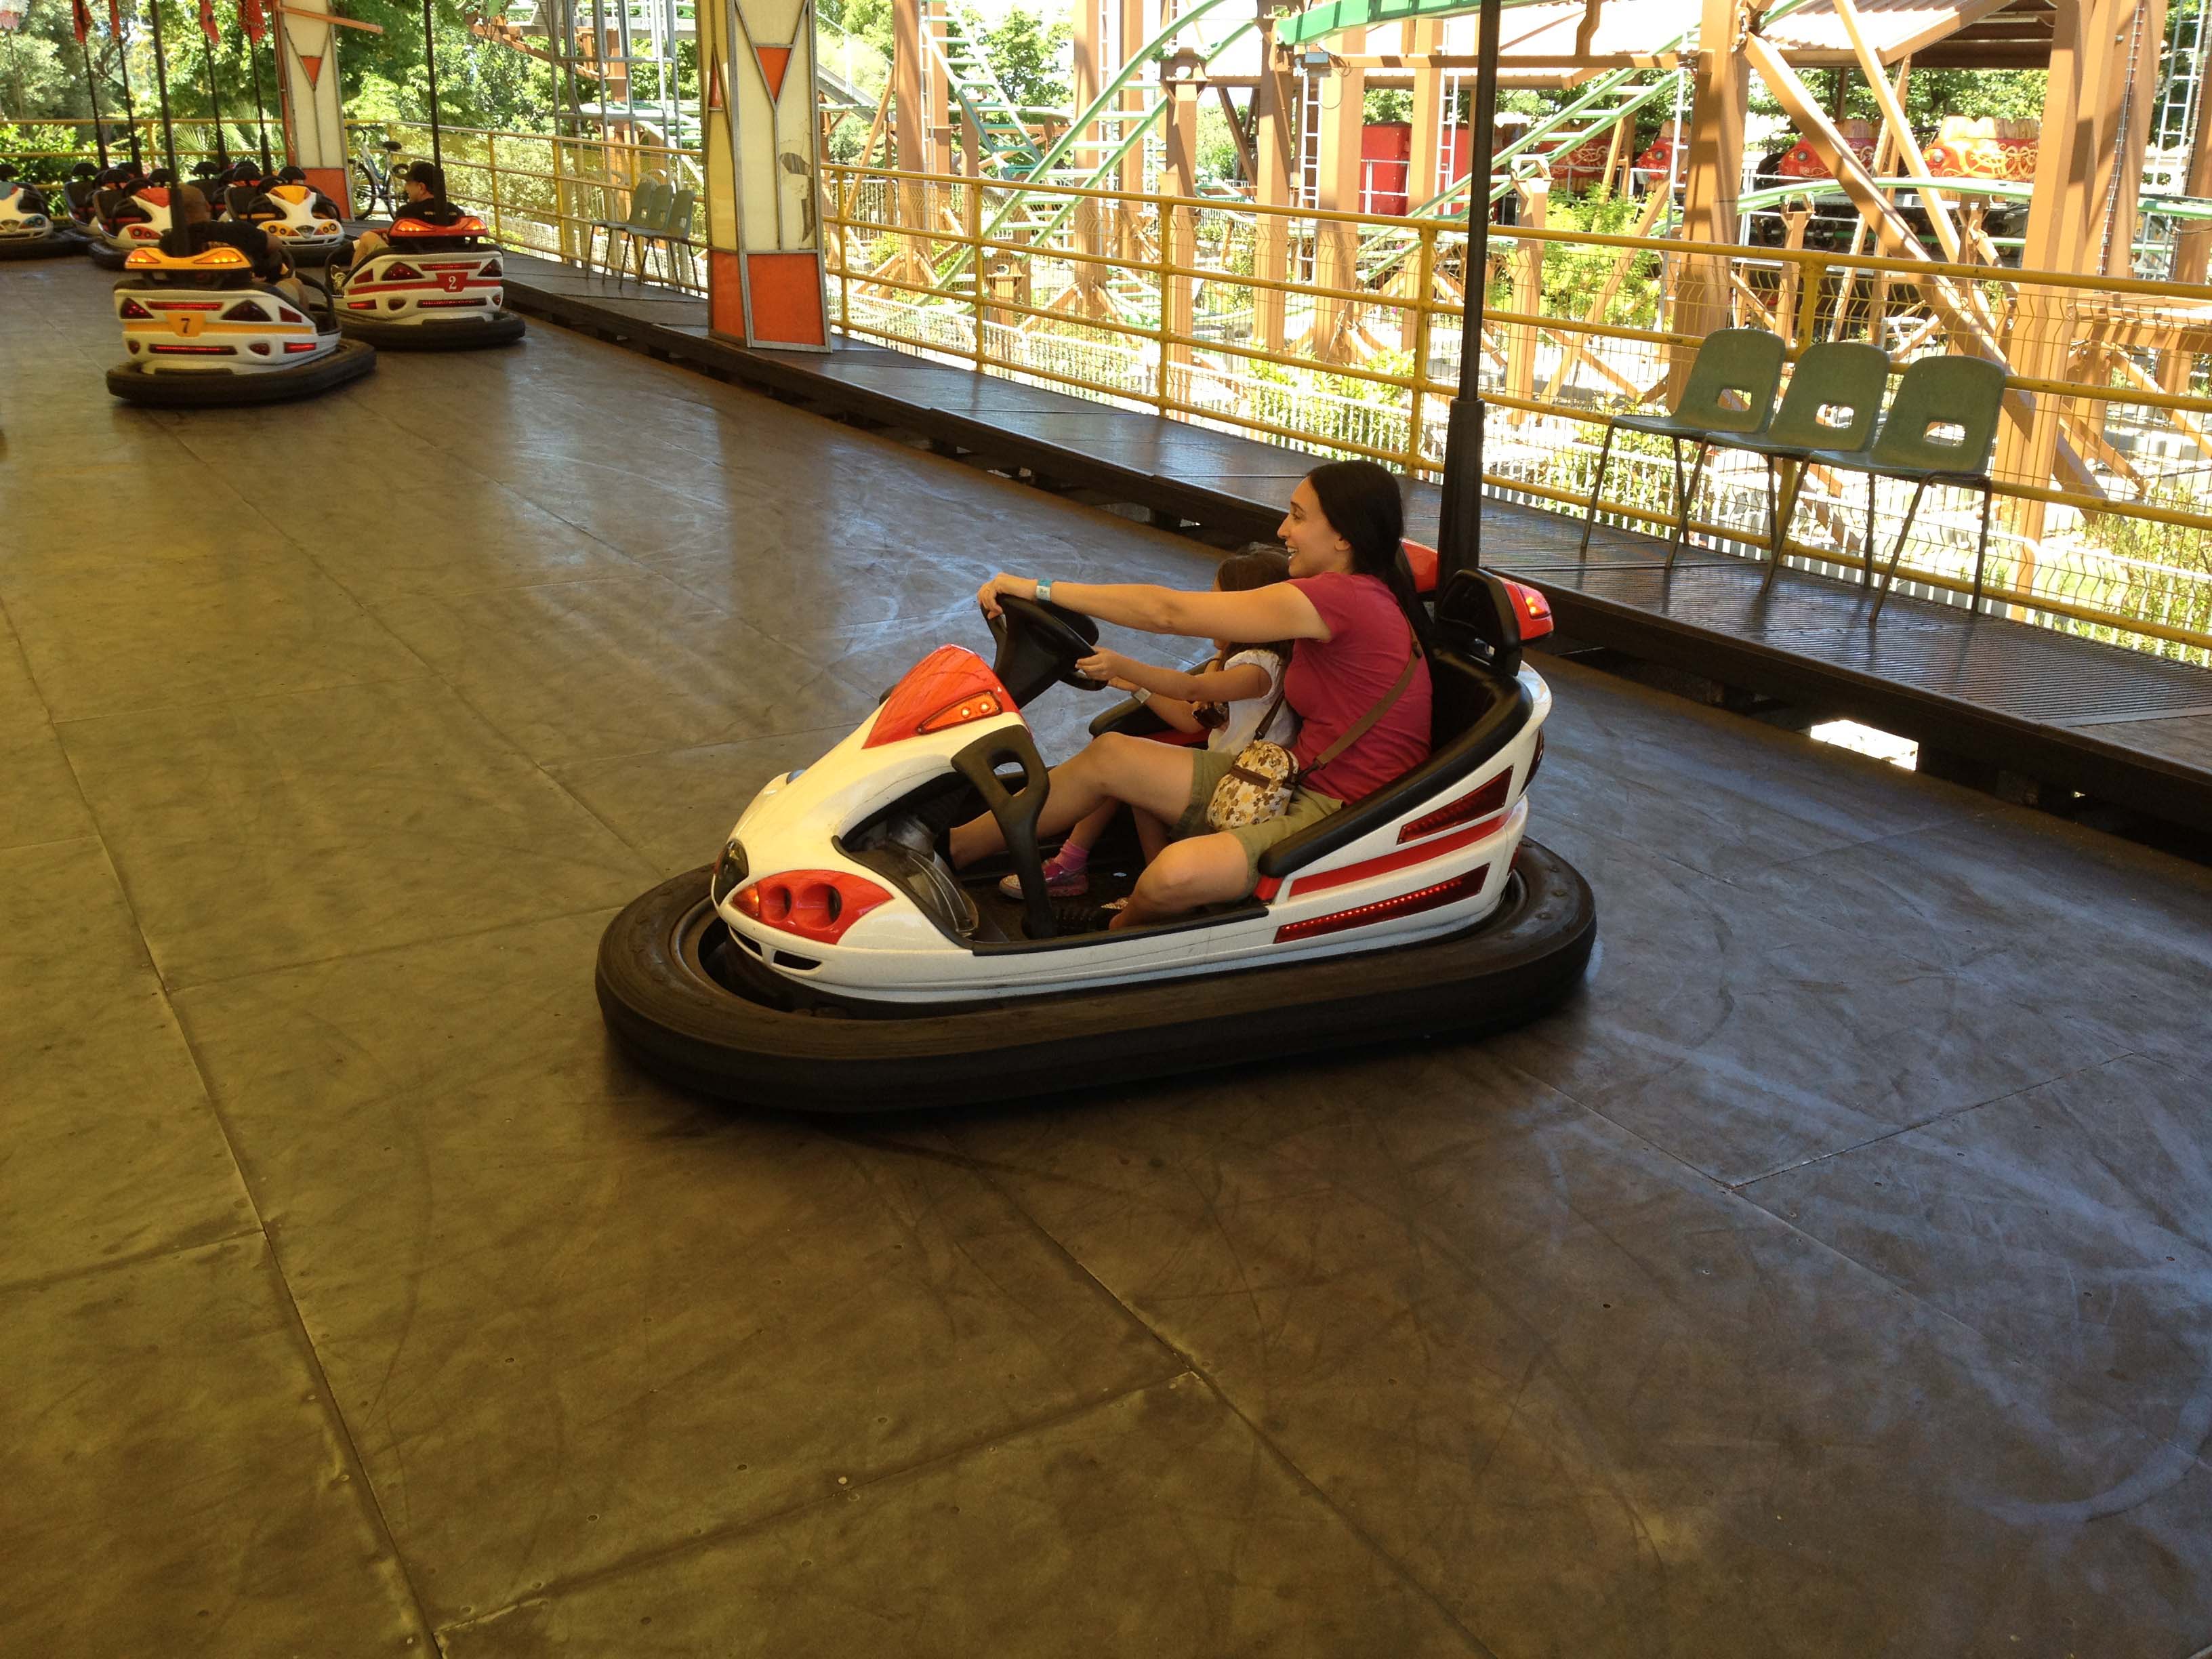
column 648, row 213
column 1833, row 405
column 1942, row 428
column 1730, row 394
column 675, row 227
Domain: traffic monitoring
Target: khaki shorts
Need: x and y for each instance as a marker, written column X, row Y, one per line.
column 1208, row 767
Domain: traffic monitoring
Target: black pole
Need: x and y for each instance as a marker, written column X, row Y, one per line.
column 260, row 114
column 215, row 99
column 430, row 57
column 130, row 104
column 92, row 87
column 179, row 241
column 1459, row 535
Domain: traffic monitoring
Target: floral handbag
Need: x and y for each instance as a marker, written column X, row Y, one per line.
column 1263, row 777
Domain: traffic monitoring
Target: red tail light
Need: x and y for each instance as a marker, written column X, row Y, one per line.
column 1489, row 798
column 399, row 272
column 1405, row 904
column 949, row 687
column 133, row 311
column 246, row 311
column 293, row 348
column 815, row 904
column 1531, row 609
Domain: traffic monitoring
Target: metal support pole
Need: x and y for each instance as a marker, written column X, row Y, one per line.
column 92, row 88
column 261, row 110
column 1459, row 537
column 130, row 104
column 215, row 101
column 179, row 241
column 430, row 61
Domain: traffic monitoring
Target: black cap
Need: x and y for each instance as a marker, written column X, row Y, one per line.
column 429, row 175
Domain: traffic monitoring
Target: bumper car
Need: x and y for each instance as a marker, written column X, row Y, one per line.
column 27, row 230
column 75, row 218
column 436, row 287
column 830, row 960
column 302, row 222
column 201, row 331
column 129, row 222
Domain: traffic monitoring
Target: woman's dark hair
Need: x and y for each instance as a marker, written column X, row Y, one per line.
column 1360, row 501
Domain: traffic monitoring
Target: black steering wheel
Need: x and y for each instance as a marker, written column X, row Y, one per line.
column 1068, row 636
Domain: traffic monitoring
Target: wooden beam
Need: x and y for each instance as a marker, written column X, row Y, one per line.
column 324, row 17
column 1886, row 99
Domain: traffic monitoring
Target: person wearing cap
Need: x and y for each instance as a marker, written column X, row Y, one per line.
column 426, row 200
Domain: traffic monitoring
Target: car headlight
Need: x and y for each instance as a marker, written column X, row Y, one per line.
column 730, row 871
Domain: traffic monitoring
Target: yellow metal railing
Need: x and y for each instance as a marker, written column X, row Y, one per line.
column 1343, row 333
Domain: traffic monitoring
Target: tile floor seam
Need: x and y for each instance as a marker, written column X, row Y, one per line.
column 2057, row 1380
column 1367, row 1541
column 313, row 1355
column 328, row 1396
column 677, row 1549
column 172, row 705
column 191, row 987
column 1914, row 1128
column 133, row 1259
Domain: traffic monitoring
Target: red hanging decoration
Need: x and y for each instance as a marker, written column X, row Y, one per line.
column 115, row 18
column 253, row 20
column 81, row 20
column 208, row 23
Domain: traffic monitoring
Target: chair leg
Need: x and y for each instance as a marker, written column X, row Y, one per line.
column 1889, row 579
column 1597, row 489
column 1866, row 575
column 1982, row 546
column 1682, row 519
column 1788, row 511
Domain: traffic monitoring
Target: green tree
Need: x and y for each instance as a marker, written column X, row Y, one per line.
column 1027, row 57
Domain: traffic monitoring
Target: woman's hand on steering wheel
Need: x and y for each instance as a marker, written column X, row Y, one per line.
column 1019, row 588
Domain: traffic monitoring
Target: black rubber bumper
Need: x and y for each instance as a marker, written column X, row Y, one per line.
column 505, row 329
column 679, row 1020
column 39, row 247
column 108, row 258
column 232, row 389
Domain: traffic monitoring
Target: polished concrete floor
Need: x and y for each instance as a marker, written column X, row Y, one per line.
column 1833, row 1277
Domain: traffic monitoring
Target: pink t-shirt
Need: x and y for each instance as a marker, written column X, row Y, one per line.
column 1332, row 682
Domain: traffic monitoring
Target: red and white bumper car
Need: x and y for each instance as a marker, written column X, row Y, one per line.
column 28, row 228
column 436, row 287
column 830, row 960
column 302, row 224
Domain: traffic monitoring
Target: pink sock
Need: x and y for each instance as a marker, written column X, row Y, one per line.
column 1069, row 859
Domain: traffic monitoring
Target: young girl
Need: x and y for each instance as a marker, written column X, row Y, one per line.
column 1227, row 699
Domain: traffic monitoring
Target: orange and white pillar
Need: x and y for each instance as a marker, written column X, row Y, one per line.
column 308, row 84
column 764, row 267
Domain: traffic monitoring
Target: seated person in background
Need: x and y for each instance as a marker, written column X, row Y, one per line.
column 270, row 266
column 426, row 200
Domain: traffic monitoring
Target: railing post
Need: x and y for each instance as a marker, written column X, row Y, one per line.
column 491, row 166
column 1163, row 259
column 1424, row 279
column 977, row 272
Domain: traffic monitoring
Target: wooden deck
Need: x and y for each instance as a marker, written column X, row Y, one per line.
column 1981, row 692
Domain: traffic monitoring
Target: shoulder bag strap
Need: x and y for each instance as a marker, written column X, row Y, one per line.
column 1367, row 721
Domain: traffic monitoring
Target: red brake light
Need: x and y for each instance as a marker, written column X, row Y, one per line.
column 949, row 687
column 1489, row 798
column 133, row 311
column 399, row 272
column 1533, row 611
column 815, row 904
column 292, row 347
column 1463, row 886
column 246, row 311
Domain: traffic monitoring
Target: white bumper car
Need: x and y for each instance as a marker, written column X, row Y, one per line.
column 830, row 960
column 128, row 221
column 28, row 229
column 200, row 332
column 436, row 287
column 302, row 224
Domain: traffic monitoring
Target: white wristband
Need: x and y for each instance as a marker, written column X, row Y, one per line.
column 1044, row 592
column 1141, row 695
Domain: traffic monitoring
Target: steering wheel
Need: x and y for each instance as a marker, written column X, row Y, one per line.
column 1050, row 626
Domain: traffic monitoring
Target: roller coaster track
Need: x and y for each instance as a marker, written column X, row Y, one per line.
column 1007, row 149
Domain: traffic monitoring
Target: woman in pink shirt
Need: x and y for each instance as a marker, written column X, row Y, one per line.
column 1351, row 607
